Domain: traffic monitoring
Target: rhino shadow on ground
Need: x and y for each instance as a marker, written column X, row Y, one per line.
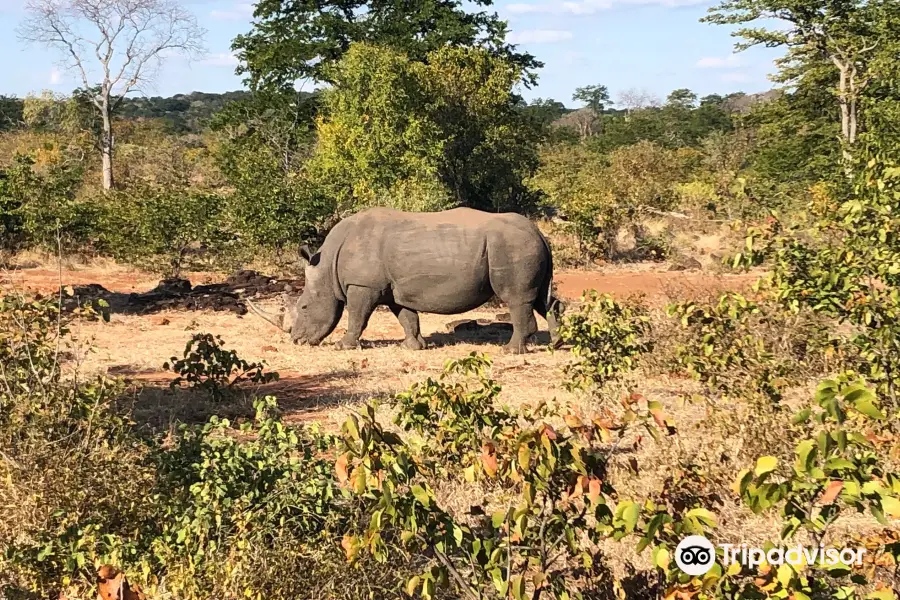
column 180, row 295
column 480, row 332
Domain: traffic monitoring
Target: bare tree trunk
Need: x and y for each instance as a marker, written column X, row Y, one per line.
column 844, row 100
column 106, row 147
column 128, row 39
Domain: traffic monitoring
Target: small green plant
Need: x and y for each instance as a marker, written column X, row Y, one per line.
column 740, row 348
column 836, row 468
column 724, row 350
column 452, row 413
column 607, row 337
column 207, row 366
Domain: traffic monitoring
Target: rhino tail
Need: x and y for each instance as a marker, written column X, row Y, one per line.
column 551, row 308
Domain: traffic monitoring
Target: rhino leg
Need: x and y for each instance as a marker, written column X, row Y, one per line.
column 410, row 321
column 361, row 303
column 524, row 326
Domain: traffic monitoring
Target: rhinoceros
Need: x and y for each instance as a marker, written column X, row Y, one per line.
column 446, row 263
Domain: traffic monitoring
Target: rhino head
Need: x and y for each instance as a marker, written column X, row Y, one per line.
column 312, row 317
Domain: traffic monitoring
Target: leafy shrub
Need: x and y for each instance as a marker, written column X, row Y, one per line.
column 839, row 468
column 207, row 366
column 607, row 337
column 217, row 509
column 453, row 416
column 41, row 209
column 697, row 195
column 848, row 269
column 600, row 197
column 539, row 539
column 724, row 351
column 71, row 468
column 239, row 503
column 743, row 349
column 166, row 230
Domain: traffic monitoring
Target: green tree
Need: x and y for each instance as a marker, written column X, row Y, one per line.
column 265, row 141
column 302, row 39
column 796, row 134
column 595, row 97
column 10, row 112
column 832, row 40
column 682, row 98
column 544, row 110
column 422, row 136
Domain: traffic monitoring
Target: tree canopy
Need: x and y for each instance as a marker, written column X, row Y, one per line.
column 446, row 132
column 293, row 40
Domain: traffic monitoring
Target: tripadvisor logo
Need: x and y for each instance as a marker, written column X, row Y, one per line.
column 695, row 555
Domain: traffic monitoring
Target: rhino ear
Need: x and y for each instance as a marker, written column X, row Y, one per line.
column 305, row 253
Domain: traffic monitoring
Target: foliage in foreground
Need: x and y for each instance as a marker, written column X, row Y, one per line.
column 221, row 509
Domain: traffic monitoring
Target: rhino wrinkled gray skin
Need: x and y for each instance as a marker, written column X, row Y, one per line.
column 446, row 263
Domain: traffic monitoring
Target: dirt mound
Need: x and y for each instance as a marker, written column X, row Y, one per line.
column 179, row 294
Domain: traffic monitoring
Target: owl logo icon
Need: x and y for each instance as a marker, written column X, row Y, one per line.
column 695, row 555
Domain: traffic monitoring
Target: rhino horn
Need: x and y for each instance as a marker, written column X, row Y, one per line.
column 276, row 320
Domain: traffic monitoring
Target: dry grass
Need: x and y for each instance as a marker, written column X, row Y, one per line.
column 316, row 382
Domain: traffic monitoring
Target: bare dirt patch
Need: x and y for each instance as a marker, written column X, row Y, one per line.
column 147, row 329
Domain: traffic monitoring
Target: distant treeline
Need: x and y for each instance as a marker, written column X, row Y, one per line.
column 189, row 113
column 183, row 112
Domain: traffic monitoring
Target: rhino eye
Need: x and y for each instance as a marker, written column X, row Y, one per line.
column 303, row 307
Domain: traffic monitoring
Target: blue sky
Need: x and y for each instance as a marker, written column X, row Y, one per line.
column 651, row 45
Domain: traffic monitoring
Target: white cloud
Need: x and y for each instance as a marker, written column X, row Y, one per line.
column 241, row 10
column 715, row 62
column 55, row 76
column 735, row 77
column 220, row 60
column 589, row 7
column 539, row 36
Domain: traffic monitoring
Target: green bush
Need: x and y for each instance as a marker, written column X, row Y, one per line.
column 166, row 230
column 742, row 349
column 601, row 196
column 848, row 269
column 73, row 473
column 41, row 209
column 218, row 509
column 552, row 504
column 607, row 338
column 207, row 366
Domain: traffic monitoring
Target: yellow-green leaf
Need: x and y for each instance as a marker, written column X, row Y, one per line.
column 765, row 464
